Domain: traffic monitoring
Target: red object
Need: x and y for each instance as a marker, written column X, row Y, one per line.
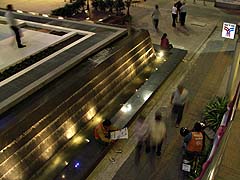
column 165, row 43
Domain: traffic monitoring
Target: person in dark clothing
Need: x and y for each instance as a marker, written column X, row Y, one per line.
column 178, row 6
column 13, row 25
column 183, row 13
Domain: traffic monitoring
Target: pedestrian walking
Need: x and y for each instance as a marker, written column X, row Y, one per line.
column 156, row 134
column 178, row 100
column 174, row 15
column 141, row 129
column 155, row 17
column 183, row 13
column 13, row 25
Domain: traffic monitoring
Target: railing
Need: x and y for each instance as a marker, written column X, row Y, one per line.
column 228, row 116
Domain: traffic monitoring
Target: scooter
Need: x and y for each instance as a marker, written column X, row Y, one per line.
column 189, row 160
column 186, row 161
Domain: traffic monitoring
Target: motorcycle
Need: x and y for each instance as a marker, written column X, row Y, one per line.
column 190, row 160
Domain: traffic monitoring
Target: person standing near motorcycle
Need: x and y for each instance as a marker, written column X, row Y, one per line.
column 178, row 100
column 194, row 140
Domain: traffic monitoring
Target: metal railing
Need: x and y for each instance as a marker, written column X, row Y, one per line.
column 209, row 168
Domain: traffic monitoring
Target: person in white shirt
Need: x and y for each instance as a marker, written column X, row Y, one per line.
column 178, row 100
column 174, row 15
column 183, row 13
column 13, row 25
column 156, row 134
column 155, row 17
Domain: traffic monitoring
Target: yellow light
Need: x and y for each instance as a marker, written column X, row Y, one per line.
column 91, row 113
column 60, row 17
column 70, row 132
column 87, row 18
column 19, row 11
column 33, row 13
column 77, row 139
column 45, row 15
column 63, row 176
column 100, row 20
column 69, row 128
column 57, row 160
column 160, row 54
column 97, row 120
column 66, row 163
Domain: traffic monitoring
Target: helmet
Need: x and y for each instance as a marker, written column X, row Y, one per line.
column 184, row 131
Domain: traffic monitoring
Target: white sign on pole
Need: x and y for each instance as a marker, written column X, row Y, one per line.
column 228, row 30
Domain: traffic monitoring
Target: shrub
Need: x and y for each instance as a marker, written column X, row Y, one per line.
column 214, row 112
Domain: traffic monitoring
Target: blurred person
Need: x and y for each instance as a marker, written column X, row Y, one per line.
column 156, row 134
column 178, row 100
column 155, row 17
column 141, row 129
column 13, row 25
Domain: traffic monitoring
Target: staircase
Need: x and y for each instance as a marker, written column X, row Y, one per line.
column 30, row 143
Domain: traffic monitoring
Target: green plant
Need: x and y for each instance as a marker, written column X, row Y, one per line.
column 214, row 112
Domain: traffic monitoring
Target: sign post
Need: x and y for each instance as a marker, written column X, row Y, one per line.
column 228, row 31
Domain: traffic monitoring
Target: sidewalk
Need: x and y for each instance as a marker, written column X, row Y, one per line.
column 203, row 83
column 207, row 74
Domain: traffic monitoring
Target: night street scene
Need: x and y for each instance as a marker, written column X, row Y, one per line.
column 119, row 89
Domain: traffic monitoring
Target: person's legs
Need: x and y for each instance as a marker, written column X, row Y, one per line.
column 181, row 19
column 17, row 35
column 155, row 23
column 179, row 114
column 147, row 142
column 174, row 16
column 138, row 151
column 159, row 147
column 174, row 113
column 184, row 18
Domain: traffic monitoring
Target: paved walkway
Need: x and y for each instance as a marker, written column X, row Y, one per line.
column 203, row 83
column 207, row 77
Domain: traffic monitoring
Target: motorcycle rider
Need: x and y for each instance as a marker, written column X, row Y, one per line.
column 194, row 140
